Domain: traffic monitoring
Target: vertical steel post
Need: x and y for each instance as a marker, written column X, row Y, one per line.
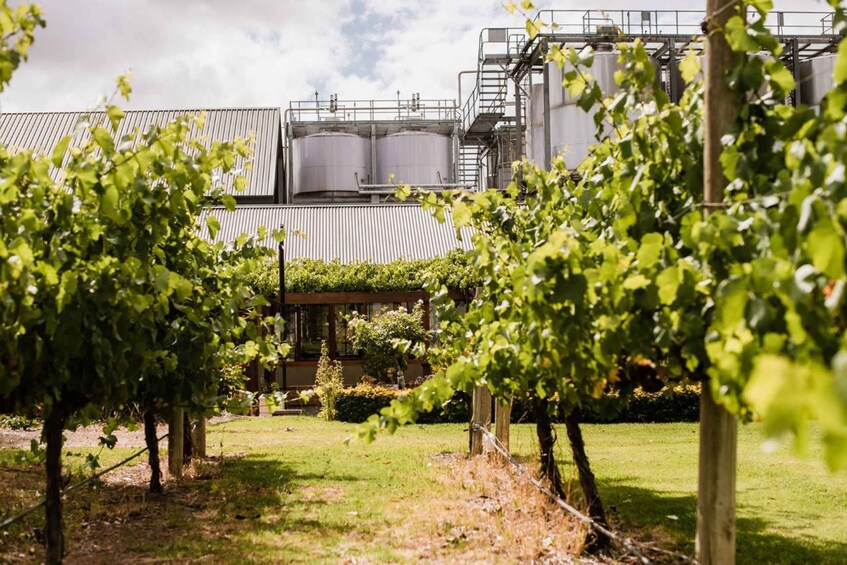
column 548, row 143
column 457, row 154
column 675, row 88
column 796, row 97
column 518, row 120
column 289, row 190
column 373, row 179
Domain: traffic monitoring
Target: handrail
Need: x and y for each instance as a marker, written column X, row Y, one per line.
column 391, row 188
column 373, row 110
column 674, row 22
column 477, row 100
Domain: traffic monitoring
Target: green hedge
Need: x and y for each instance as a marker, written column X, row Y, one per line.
column 682, row 404
column 358, row 403
column 679, row 404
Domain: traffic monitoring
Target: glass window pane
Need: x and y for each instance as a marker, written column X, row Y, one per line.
column 314, row 328
column 342, row 312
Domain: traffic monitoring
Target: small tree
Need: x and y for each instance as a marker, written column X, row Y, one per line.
column 385, row 339
column 329, row 382
column 108, row 294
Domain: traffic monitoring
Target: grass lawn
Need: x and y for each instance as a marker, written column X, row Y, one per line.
column 288, row 489
column 789, row 509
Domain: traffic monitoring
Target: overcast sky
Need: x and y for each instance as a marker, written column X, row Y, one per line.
column 226, row 53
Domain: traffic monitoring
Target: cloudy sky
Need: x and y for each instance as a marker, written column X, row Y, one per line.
column 224, row 53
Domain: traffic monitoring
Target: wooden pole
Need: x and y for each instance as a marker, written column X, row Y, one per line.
column 175, row 443
column 53, row 527
column 260, row 369
column 200, row 437
column 502, row 419
column 718, row 428
column 481, row 417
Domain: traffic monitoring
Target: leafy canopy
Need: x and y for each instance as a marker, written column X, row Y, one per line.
column 594, row 285
column 313, row 275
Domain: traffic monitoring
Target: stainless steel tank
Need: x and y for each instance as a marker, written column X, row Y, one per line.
column 535, row 129
column 572, row 133
column 815, row 79
column 572, row 130
column 764, row 89
column 603, row 71
column 414, row 157
column 328, row 162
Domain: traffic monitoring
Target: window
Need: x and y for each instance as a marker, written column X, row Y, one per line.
column 307, row 325
column 343, row 346
column 313, row 328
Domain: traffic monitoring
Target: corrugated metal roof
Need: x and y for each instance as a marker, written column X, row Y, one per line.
column 40, row 131
column 378, row 233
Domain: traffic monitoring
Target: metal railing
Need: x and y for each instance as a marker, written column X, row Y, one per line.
column 500, row 49
column 509, row 44
column 670, row 22
column 498, row 42
column 372, row 110
column 487, row 97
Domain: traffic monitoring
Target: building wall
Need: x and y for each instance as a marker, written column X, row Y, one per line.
column 301, row 374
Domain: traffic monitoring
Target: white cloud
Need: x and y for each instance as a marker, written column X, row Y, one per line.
column 213, row 53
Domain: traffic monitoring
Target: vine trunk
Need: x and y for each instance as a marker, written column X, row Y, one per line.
column 152, row 452
column 546, row 443
column 597, row 541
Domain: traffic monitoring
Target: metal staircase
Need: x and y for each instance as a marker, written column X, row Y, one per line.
column 469, row 164
column 485, row 106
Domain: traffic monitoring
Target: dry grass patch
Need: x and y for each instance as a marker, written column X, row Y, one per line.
column 495, row 515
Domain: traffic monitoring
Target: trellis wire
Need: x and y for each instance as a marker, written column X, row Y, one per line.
column 12, row 519
column 627, row 544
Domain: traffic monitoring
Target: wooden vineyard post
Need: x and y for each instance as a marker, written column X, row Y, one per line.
column 175, row 443
column 502, row 419
column 260, row 368
column 481, row 417
column 718, row 428
column 199, row 437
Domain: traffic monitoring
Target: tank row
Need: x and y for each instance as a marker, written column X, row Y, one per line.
column 335, row 164
column 572, row 130
column 362, row 156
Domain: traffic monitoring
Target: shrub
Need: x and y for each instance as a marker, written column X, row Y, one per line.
column 676, row 404
column 329, row 383
column 13, row 422
column 379, row 339
column 679, row 404
column 358, row 403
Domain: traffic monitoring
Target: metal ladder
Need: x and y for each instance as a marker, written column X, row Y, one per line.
column 469, row 165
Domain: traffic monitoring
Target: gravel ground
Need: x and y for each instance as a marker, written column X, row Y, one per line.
column 89, row 435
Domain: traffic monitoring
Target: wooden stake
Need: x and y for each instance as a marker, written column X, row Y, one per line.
column 502, row 419
column 481, row 417
column 175, row 443
column 53, row 528
column 716, row 489
column 200, row 437
column 718, row 428
column 260, row 369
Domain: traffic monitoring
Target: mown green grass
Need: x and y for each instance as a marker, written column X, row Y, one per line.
column 290, row 490
column 319, row 499
column 789, row 509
